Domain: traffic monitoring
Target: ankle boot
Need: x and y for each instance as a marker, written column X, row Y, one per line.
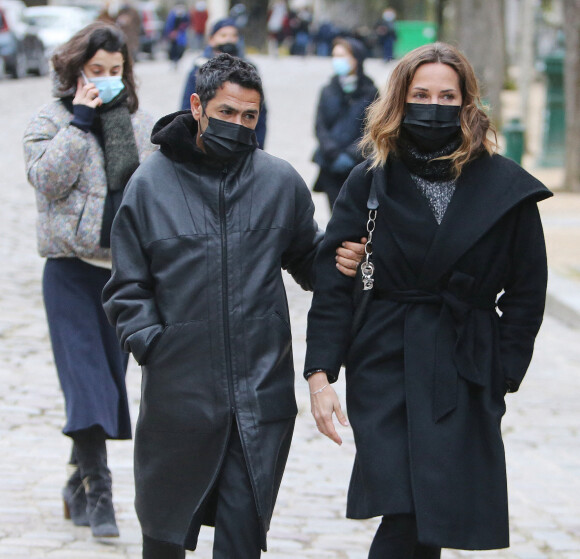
column 91, row 453
column 100, row 511
column 75, row 500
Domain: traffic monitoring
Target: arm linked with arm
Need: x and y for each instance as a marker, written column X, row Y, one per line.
column 331, row 313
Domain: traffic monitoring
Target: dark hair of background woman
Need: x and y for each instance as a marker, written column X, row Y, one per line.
column 70, row 58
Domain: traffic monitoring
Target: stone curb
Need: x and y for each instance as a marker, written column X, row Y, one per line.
column 563, row 299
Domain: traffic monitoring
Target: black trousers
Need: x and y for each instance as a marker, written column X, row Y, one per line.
column 396, row 538
column 237, row 527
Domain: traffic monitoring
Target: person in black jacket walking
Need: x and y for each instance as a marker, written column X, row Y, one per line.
column 340, row 117
column 458, row 297
column 197, row 296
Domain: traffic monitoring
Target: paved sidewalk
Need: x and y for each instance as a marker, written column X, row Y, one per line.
column 540, row 428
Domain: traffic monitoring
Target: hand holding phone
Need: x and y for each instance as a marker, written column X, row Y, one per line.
column 87, row 93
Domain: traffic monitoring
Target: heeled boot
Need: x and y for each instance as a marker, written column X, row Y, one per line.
column 74, row 498
column 100, row 510
column 91, row 453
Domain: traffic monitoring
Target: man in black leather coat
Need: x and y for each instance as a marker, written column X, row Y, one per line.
column 196, row 294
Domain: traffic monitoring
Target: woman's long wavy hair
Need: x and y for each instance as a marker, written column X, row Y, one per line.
column 385, row 115
column 69, row 59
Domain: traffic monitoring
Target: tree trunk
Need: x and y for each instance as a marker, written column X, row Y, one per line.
column 480, row 35
column 255, row 31
column 572, row 92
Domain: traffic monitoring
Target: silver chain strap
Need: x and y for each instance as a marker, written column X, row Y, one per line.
column 367, row 268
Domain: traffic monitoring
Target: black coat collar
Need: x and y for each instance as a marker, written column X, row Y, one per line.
column 487, row 189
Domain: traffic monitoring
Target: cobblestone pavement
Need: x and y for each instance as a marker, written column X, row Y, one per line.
column 541, row 426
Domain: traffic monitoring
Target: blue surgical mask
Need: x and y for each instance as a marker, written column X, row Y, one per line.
column 109, row 87
column 341, row 66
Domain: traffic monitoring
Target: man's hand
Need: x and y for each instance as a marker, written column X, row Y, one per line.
column 349, row 256
column 323, row 403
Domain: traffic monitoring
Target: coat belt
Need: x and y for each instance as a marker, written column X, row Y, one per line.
column 455, row 339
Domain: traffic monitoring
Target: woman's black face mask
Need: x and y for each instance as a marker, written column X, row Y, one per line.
column 431, row 126
column 227, row 140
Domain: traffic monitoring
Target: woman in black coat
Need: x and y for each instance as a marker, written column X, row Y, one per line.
column 459, row 289
column 340, row 117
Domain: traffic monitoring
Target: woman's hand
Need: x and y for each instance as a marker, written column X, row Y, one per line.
column 349, row 256
column 323, row 403
column 87, row 94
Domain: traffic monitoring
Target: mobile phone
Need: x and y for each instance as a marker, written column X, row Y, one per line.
column 85, row 78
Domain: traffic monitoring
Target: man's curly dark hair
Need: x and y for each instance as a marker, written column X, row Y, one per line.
column 225, row 68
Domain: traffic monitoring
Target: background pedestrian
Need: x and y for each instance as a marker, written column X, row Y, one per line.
column 198, row 17
column 387, row 34
column 175, row 32
column 278, row 17
column 340, row 117
column 129, row 20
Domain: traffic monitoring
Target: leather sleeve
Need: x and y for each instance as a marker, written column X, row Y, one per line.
column 129, row 297
column 299, row 257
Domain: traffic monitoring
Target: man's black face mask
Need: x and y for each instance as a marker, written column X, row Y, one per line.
column 229, row 48
column 431, row 126
column 227, row 140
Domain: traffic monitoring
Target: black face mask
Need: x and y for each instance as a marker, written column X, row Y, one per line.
column 226, row 140
column 431, row 127
column 229, row 48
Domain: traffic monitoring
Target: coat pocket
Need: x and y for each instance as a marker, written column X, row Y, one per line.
column 270, row 367
column 179, row 388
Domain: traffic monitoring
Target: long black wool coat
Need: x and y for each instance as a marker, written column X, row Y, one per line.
column 427, row 374
column 197, row 296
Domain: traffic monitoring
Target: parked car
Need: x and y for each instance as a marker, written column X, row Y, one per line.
column 55, row 25
column 21, row 50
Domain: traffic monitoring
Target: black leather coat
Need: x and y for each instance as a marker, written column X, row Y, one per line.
column 197, row 296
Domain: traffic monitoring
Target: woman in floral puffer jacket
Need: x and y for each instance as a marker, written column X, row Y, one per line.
column 80, row 151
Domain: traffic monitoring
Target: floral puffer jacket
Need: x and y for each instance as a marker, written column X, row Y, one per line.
column 66, row 167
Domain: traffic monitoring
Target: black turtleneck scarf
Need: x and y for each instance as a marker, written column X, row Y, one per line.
column 434, row 178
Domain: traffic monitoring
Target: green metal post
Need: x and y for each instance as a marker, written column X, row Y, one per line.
column 554, row 135
column 514, row 132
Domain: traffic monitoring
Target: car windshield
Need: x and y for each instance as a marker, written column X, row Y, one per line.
column 50, row 20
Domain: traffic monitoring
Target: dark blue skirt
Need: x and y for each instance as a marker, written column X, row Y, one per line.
column 89, row 360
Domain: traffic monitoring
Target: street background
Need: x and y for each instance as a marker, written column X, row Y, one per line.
column 540, row 428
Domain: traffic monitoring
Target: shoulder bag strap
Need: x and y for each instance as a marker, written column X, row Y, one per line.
column 367, row 268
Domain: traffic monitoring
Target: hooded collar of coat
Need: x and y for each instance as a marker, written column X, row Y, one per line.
column 176, row 135
column 487, row 189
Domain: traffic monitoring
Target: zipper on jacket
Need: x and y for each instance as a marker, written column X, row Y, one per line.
column 225, row 290
column 226, row 320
